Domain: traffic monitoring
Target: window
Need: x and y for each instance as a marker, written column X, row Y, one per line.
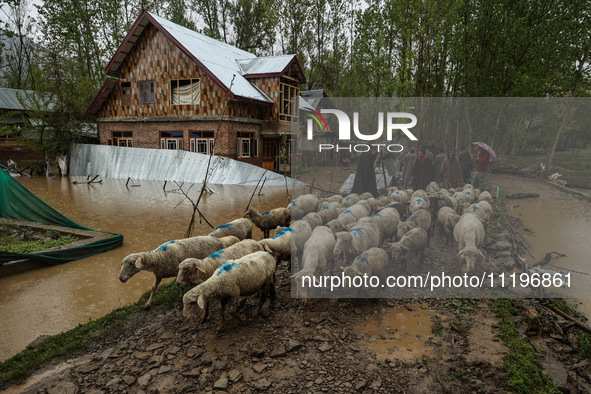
column 125, row 93
column 147, row 95
column 184, row 91
column 121, row 138
column 288, row 106
column 171, row 140
column 202, row 142
column 246, row 144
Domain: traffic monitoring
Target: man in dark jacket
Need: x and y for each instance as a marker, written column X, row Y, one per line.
column 365, row 175
column 437, row 164
column 466, row 162
column 424, row 172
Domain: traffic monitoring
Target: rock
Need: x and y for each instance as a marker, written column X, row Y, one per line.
column 89, row 367
column 533, row 320
column 167, row 335
column 171, row 350
column 248, row 374
column 218, row 365
column 113, row 384
column 155, row 346
column 64, row 388
column 278, row 352
column 144, row 380
column 376, row 384
column 222, row 382
column 142, row 355
column 192, row 373
column 263, row 384
column 234, row 375
column 501, row 245
column 259, row 367
column 258, row 353
column 293, row 345
column 164, row 369
column 129, row 379
column 325, row 347
column 361, row 384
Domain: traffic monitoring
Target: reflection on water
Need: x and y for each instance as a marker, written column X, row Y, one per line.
column 564, row 226
column 57, row 298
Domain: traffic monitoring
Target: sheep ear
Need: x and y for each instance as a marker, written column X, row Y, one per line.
column 138, row 263
column 460, row 252
column 201, row 301
column 404, row 248
column 200, row 268
column 267, row 249
column 342, row 268
column 480, row 253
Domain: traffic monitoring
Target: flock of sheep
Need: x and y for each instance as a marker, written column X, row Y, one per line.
column 360, row 233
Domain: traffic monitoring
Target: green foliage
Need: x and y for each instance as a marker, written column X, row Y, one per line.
column 521, row 365
column 81, row 337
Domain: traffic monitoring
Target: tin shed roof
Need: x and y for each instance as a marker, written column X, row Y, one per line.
column 13, row 99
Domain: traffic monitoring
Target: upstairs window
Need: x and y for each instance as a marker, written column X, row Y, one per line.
column 125, row 93
column 288, row 105
column 171, row 140
column 246, row 144
column 184, row 91
column 202, row 142
column 121, row 138
column 147, row 95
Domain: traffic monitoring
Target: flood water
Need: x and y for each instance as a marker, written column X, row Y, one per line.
column 57, row 298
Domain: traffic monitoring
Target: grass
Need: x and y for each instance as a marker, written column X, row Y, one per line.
column 521, row 366
column 574, row 167
column 84, row 336
column 35, row 246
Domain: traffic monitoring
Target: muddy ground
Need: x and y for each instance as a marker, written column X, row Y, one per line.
column 379, row 345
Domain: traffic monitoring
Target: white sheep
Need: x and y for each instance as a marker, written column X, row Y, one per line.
column 353, row 214
column 350, row 200
column 366, row 196
column 197, row 271
column 336, row 226
column 447, row 218
column 317, row 257
column 469, row 233
column 485, row 196
column 164, row 261
column 432, row 187
column 398, row 196
column 356, row 241
column 303, row 205
column 335, row 198
column 240, row 228
column 269, row 220
column 479, row 210
column 420, row 218
column 329, row 211
column 419, row 193
column 246, row 276
column 387, row 220
column 417, row 203
column 372, row 262
column 314, row 219
column 415, row 240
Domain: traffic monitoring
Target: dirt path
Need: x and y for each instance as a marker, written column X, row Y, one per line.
column 377, row 345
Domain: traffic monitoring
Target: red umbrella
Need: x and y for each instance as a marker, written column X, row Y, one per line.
column 490, row 150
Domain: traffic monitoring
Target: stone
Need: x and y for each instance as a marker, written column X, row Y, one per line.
column 258, row 353
column 278, row 352
column 192, row 373
column 325, row 347
column 129, row 380
column 501, row 245
column 144, row 380
column 164, row 369
column 155, row 346
column 113, row 384
column 532, row 319
column 263, row 384
column 259, row 367
column 167, row 335
column 64, row 388
column 218, row 365
column 293, row 345
column 361, row 384
column 222, row 382
column 376, row 384
column 171, row 350
column 142, row 355
column 89, row 367
column 248, row 374
column 235, row 375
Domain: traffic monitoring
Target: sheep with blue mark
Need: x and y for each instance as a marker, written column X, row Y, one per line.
column 353, row 214
column 197, row 271
column 303, row 205
column 248, row 275
column 240, row 228
column 419, row 219
column 482, row 211
column 413, row 241
column 469, row 233
column 372, row 262
column 269, row 220
column 365, row 235
column 317, row 257
column 432, row 187
column 398, row 196
column 314, row 219
column 164, row 261
column 350, row 200
column 417, row 203
column 387, row 220
column 485, row 196
column 329, row 211
column 290, row 241
column 336, row 226
column 419, row 193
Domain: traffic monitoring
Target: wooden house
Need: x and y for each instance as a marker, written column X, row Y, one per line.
column 169, row 87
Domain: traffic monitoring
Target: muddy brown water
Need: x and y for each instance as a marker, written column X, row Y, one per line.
column 50, row 300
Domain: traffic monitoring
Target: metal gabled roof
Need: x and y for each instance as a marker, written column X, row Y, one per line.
column 267, row 65
column 13, row 99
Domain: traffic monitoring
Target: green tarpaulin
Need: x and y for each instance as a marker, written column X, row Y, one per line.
column 17, row 202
